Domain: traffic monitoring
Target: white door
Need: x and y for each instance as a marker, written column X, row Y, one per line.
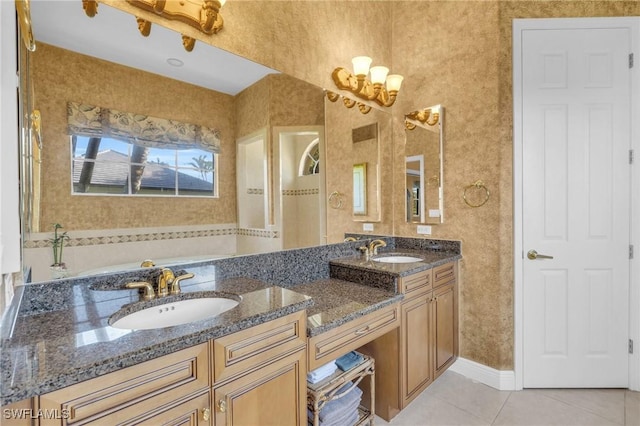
column 576, row 135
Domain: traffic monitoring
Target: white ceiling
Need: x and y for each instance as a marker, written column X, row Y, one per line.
column 113, row 35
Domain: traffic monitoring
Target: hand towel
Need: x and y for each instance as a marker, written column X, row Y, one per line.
column 322, row 372
column 350, row 360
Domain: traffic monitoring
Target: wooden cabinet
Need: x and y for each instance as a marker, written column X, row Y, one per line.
column 260, row 374
column 254, row 376
column 445, row 317
column 273, row 395
column 21, row 413
column 133, row 394
column 426, row 345
column 444, row 328
column 416, row 331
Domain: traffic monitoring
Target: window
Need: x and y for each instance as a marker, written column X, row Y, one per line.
column 106, row 165
column 310, row 161
column 123, row 153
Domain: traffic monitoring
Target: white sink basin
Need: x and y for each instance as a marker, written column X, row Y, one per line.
column 175, row 313
column 397, row 259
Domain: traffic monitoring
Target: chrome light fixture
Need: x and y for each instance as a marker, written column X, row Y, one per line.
column 381, row 88
column 203, row 15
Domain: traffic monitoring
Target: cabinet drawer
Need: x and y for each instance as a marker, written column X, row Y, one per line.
column 133, row 390
column 248, row 349
column 444, row 274
column 330, row 345
column 416, row 283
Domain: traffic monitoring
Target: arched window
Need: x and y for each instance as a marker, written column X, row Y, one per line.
column 310, row 160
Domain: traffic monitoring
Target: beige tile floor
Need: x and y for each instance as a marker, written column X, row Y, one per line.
column 455, row 400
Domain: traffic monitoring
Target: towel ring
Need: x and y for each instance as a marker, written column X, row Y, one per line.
column 335, row 200
column 476, row 185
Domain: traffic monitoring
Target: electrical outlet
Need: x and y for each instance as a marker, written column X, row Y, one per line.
column 367, row 226
column 434, row 212
column 424, row 229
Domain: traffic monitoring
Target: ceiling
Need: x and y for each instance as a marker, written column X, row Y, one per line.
column 113, row 35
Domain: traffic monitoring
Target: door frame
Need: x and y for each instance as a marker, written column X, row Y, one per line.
column 520, row 25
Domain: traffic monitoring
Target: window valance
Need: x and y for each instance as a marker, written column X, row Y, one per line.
column 139, row 129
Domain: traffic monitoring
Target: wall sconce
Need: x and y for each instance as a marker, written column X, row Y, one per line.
column 382, row 88
column 428, row 116
column 349, row 103
column 203, row 15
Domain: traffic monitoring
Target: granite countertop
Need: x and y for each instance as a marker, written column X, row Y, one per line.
column 337, row 302
column 430, row 259
column 64, row 336
column 385, row 275
column 50, row 350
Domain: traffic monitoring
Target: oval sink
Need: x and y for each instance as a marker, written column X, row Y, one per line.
column 397, row 259
column 174, row 313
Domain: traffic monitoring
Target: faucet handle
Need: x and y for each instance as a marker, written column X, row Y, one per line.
column 365, row 251
column 148, row 289
column 175, row 286
column 147, row 263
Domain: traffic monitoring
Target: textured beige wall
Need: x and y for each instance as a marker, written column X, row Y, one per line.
column 458, row 53
column 62, row 76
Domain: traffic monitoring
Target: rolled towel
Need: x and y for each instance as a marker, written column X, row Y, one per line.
column 348, row 361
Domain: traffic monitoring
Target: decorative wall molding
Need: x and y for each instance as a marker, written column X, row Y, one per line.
column 262, row 233
column 255, row 191
column 42, row 240
column 298, row 192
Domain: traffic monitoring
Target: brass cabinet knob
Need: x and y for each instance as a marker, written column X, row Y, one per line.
column 222, row 405
column 206, row 414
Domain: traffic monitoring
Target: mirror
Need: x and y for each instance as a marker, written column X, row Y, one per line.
column 111, row 234
column 353, row 147
column 424, row 165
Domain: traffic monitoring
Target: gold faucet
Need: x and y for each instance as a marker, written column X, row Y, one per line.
column 165, row 280
column 175, row 286
column 148, row 289
column 147, row 263
column 373, row 246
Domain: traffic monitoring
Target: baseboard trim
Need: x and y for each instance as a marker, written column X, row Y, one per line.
column 498, row 379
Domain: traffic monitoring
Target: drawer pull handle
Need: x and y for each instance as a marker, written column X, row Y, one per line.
column 206, row 414
column 362, row 331
column 222, row 405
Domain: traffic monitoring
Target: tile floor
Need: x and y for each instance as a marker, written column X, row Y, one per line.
column 455, row 400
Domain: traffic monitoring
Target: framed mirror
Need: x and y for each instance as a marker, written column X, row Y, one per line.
column 424, row 165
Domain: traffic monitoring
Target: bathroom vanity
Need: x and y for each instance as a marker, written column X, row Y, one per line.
column 62, row 363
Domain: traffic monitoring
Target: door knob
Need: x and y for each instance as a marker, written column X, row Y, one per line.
column 532, row 254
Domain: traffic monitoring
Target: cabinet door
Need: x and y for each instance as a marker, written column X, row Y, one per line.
column 273, row 395
column 193, row 412
column 445, row 327
column 417, row 364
